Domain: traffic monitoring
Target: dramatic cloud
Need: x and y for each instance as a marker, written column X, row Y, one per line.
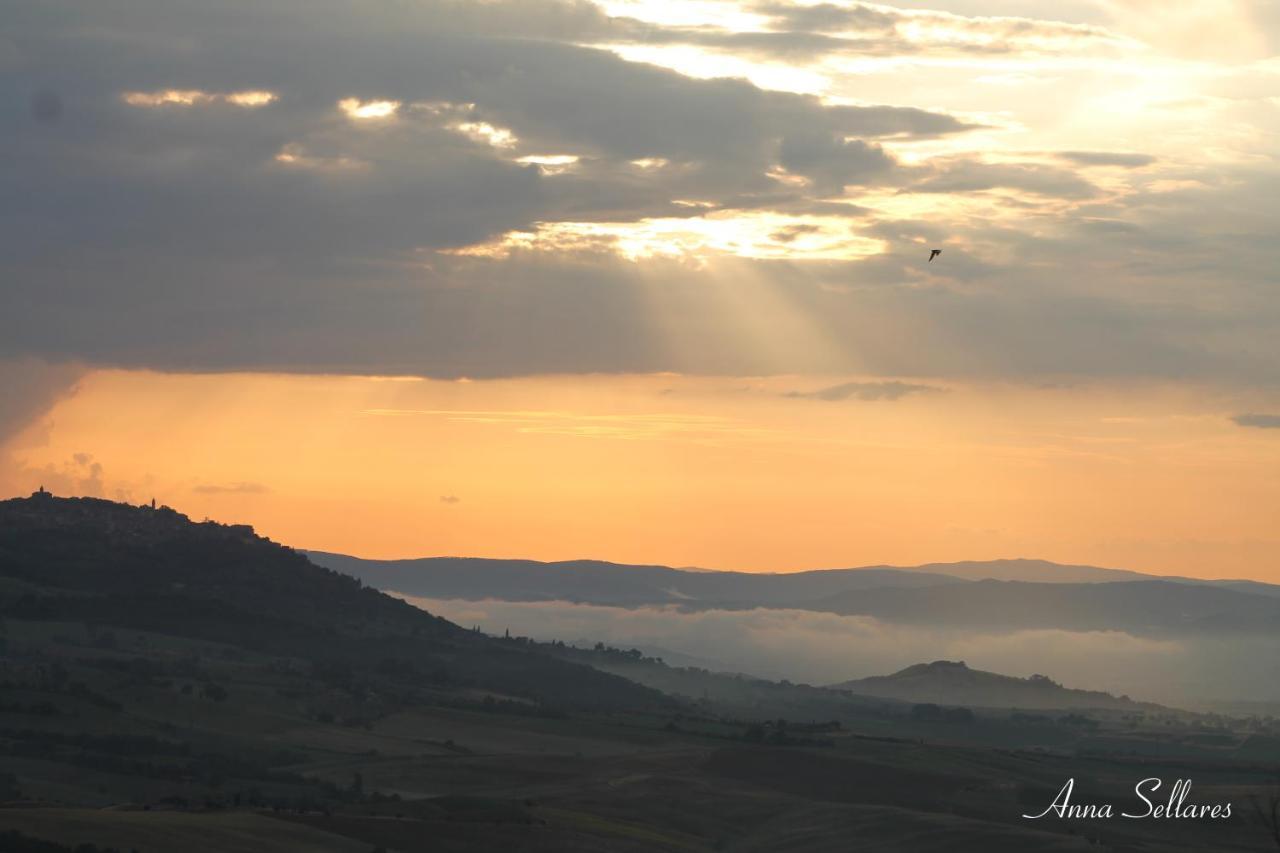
column 28, row 389
column 490, row 189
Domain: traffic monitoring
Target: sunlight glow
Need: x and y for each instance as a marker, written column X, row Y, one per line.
column 744, row 234
column 194, row 97
column 250, row 99
column 482, row 131
column 537, row 461
column 357, row 109
column 550, row 164
column 710, row 64
column 726, row 14
column 296, row 156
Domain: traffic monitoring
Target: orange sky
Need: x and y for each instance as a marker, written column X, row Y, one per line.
column 721, row 473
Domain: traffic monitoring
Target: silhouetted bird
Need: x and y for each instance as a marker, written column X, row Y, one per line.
column 933, row 253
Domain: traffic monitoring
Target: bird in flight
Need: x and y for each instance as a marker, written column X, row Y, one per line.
column 933, row 253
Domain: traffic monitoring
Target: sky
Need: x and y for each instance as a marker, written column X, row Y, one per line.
column 649, row 281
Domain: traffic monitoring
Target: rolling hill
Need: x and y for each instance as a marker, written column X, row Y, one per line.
column 952, row 683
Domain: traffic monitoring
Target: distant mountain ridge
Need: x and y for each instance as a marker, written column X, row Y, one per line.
column 1137, row 607
column 600, row 582
column 953, row 683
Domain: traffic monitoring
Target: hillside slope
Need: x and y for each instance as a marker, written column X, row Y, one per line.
column 83, row 559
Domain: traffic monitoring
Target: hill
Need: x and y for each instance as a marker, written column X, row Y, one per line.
column 155, row 570
column 953, row 683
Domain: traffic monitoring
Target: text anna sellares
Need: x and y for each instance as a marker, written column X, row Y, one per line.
column 1174, row 806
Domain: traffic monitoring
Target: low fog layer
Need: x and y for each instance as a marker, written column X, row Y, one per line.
column 823, row 648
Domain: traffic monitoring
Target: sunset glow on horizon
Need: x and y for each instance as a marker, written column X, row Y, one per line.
column 757, row 474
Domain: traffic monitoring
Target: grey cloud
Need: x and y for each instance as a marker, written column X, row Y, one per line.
column 966, row 175
column 29, row 388
column 828, row 16
column 793, row 232
column 1107, row 158
column 450, row 499
column 833, row 162
column 1257, row 421
column 174, row 237
column 530, row 313
column 865, row 391
column 171, row 238
column 808, row 31
column 46, row 106
column 79, row 475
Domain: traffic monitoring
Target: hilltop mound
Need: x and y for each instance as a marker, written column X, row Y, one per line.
column 953, row 683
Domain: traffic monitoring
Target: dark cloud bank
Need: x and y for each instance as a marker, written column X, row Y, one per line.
column 176, row 237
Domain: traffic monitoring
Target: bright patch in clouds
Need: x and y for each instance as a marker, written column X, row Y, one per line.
column 709, row 64
column 357, row 109
column 296, row 156
column 482, row 131
column 550, row 164
column 690, row 13
column 250, row 99
column 747, row 235
column 195, row 97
